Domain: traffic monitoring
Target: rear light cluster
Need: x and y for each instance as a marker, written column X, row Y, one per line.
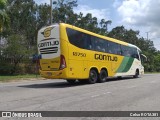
column 62, row 62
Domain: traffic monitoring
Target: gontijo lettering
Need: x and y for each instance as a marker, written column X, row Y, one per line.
column 105, row 57
column 47, row 44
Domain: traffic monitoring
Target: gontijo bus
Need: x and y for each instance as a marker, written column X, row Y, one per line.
column 68, row 52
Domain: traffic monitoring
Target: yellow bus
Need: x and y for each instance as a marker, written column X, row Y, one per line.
column 71, row 53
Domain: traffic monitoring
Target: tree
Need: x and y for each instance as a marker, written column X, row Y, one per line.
column 23, row 15
column 104, row 26
column 43, row 15
column 15, row 51
column 108, row 22
column 63, row 11
column 157, row 62
column 4, row 19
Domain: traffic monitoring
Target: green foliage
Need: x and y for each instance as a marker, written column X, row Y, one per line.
column 157, row 62
column 15, row 51
column 43, row 17
column 4, row 19
column 22, row 15
column 3, row 4
column 5, row 67
column 63, row 11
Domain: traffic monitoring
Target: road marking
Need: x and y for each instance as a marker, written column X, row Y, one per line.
column 95, row 96
column 100, row 94
column 153, row 82
column 108, row 92
column 131, row 86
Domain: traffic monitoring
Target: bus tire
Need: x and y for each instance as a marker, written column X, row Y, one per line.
column 136, row 74
column 103, row 76
column 71, row 81
column 119, row 77
column 93, row 76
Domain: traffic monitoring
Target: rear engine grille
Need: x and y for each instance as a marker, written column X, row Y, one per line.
column 49, row 50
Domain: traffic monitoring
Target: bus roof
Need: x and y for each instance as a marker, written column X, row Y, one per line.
column 100, row 36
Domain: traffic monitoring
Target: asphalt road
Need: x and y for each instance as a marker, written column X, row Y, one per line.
column 127, row 94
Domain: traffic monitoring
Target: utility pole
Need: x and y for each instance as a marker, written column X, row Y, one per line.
column 51, row 17
column 147, row 34
column 1, row 29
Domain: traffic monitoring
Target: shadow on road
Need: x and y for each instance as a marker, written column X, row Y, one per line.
column 61, row 84
column 64, row 84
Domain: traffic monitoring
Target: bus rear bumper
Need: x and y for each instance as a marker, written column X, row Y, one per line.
column 51, row 74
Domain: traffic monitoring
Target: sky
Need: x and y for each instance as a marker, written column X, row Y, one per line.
column 142, row 15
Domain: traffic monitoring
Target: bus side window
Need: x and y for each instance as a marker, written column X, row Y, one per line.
column 82, row 41
column 135, row 53
column 95, row 43
column 109, row 47
column 103, row 47
column 87, row 42
column 76, row 38
column 119, row 51
column 98, row 48
column 113, row 48
column 93, row 46
column 126, row 51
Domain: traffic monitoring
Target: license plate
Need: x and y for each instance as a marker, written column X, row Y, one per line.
column 49, row 73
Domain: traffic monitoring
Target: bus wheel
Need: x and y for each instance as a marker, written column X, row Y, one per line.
column 119, row 77
column 71, row 81
column 93, row 76
column 103, row 76
column 136, row 74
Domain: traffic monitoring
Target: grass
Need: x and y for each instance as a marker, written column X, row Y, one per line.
column 7, row 78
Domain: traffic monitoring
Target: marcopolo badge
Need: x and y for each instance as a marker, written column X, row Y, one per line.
column 47, row 32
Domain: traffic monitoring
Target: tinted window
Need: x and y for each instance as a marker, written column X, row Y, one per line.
column 85, row 41
column 135, row 53
column 129, row 51
column 114, row 48
column 99, row 44
column 75, row 38
column 126, row 51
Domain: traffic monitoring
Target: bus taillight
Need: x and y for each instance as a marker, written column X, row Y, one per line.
column 62, row 62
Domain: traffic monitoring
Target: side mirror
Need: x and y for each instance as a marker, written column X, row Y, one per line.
column 144, row 58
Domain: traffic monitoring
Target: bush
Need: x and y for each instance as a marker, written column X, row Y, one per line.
column 26, row 66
